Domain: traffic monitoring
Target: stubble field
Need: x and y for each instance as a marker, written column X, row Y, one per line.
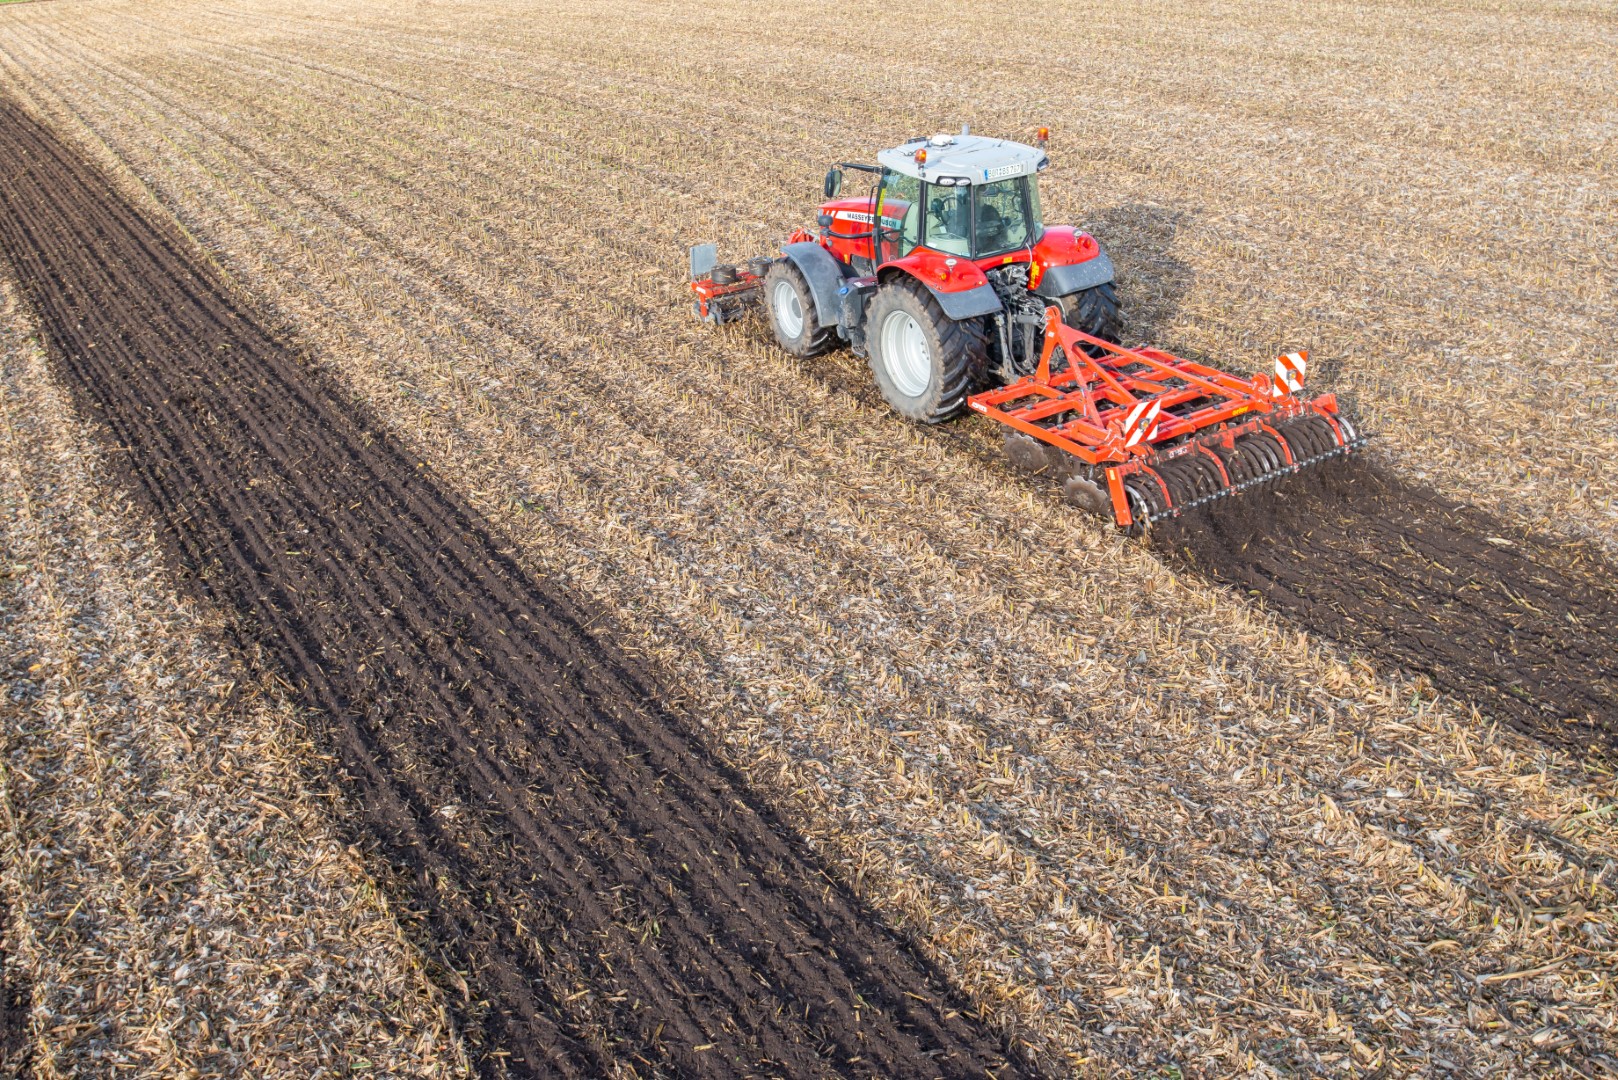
column 1140, row 819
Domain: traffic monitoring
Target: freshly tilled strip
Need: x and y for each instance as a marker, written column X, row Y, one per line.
column 605, row 892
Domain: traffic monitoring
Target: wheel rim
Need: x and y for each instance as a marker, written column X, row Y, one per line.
column 788, row 310
column 905, row 354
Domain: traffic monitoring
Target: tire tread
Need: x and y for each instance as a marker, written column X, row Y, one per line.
column 1096, row 312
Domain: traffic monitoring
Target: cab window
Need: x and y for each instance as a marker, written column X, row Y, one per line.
column 899, row 208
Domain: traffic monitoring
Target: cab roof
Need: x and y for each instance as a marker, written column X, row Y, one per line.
column 964, row 159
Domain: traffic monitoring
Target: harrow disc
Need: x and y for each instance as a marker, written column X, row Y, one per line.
column 1026, row 452
column 1147, row 500
column 1266, row 458
column 1303, row 440
column 1086, row 494
column 1313, row 439
column 1237, row 466
column 1209, row 483
column 1181, row 482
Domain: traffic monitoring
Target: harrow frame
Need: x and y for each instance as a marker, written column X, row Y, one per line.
column 1129, row 413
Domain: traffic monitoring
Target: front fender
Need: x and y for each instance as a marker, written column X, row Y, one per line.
column 824, row 275
column 1075, row 277
column 1069, row 261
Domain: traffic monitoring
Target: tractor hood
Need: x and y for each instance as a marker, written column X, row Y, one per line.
column 847, row 213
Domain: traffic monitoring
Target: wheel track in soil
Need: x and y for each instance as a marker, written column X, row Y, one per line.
column 541, row 807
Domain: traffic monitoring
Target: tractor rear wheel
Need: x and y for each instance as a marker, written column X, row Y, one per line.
column 1095, row 311
column 925, row 363
column 793, row 315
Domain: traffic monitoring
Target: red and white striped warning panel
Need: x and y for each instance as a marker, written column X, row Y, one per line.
column 1289, row 369
column 1140, row 421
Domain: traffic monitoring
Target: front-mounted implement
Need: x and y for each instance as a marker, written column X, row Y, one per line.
column 724, row 293
column 1140, row 435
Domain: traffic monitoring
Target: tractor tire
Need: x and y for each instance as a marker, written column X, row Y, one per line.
column 793, row 316
column 925, row 363
column 1095, row 311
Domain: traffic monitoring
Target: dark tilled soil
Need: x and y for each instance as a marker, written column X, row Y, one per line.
column 1525, row 630
column 1521, row 626
column 16, row 1046
column 605, row 898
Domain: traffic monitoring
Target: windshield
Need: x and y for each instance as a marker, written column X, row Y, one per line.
column 1002, row 217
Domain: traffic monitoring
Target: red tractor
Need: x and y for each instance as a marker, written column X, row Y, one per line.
column 946, row 278
column 940, row 273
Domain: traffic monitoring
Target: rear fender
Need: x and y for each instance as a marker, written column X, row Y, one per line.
column 824, row 275
column 958, row 285
column 1067, row 261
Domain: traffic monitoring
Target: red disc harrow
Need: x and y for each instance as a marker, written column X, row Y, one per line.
column 1141, row 435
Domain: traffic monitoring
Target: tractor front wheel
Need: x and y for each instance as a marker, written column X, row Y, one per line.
column 925, row 363
column 793, row 315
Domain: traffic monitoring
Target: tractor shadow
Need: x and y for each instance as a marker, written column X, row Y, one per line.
column 1152, row 283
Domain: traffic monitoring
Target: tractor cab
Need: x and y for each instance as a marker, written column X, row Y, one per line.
column 960, row 196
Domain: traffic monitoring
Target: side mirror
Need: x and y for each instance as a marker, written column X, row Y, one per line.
column 834, row 182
